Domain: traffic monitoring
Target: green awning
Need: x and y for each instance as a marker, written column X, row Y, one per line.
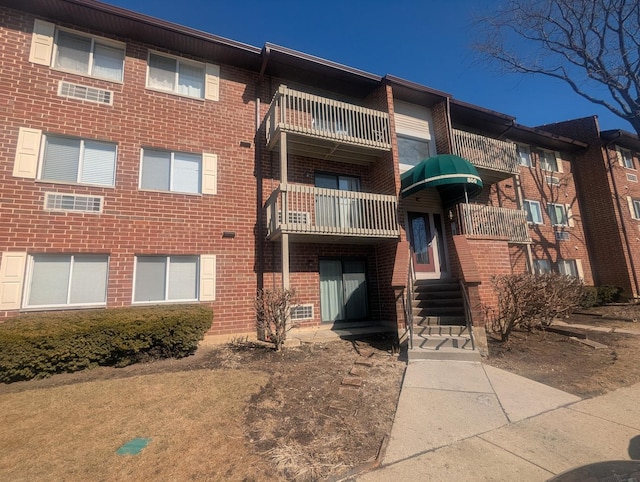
column 451, row 175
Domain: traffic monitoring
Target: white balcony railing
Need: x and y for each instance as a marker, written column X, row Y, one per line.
column 303, row 113
column 310, row 210
column 481, row 220
column 484, row 152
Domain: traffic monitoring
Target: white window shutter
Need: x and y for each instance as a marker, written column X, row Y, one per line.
column 579, row 269
column 26, row 161
column 570, row 220
column 42, row 42
column 559, row 161
column 631, row 210
column 11, row 279
column 209, row 173
column 212, row 82
column 207, row 277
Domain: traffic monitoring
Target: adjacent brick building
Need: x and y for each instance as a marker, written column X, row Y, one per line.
column 607, row 177
column 145, row 162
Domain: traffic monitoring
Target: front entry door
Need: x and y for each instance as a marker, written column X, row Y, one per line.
column 426, row 237
column 343, row 290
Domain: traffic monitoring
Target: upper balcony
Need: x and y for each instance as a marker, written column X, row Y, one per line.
column 495, row 160
column 327, row 129
column 483, row 220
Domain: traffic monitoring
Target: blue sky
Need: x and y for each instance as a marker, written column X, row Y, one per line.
column 426, row 41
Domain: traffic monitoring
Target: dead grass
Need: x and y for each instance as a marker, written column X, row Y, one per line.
column 195, row 420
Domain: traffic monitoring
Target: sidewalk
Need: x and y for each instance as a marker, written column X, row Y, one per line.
column 468, row 421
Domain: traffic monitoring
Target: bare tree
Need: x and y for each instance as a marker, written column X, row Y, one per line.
column 592, row 45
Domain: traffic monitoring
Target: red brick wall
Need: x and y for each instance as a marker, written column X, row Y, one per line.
column 492, row 258
column 545, row 245
column 134, row 221
column 535, row 187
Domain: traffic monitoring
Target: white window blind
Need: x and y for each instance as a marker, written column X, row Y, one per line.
column 190, row 80
column 88, row 280
column 86, row 56
column 171, row 171
column 61, row 157
column 183, row 276
column 98, row 164
column 567, row 267
column 60, row 280
column 166, row 278
column 76, row 160
column 534, row 213
column 150, row 278
column 548, row 161
column 524, row 154
column 557, row 214
column 177, row 76
column 541, row 266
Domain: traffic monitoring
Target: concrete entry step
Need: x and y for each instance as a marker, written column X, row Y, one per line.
column 438, row 295
column 437, row 302
column 440, row 330
column 444, row 354
column 439, row 311
column 441, row 342
column 426, row 320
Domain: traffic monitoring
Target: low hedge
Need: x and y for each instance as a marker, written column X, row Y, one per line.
column 600, row 295
column 40, row 344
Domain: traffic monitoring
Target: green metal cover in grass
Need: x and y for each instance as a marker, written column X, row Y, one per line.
column 133, row 447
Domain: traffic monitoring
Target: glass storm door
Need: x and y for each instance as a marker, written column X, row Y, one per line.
column 343, row 290
column 333, row 210
column 426, row 237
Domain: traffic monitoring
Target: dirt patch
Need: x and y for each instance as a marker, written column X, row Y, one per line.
column 299, row 422
column 560, row 362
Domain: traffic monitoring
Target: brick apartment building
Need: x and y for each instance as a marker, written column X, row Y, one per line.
column 146, row 162
column 607, row 178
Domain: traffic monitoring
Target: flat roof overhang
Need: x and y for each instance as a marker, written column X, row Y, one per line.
column 127, row 24
column 622, row 138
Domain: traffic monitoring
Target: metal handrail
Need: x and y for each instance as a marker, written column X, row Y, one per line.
column 467, row 313
column 409, row 300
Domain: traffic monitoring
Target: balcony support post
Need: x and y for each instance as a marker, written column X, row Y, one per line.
column 284, row 240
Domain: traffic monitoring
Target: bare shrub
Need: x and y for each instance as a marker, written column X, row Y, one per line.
column 273, row 314
column 531, row 301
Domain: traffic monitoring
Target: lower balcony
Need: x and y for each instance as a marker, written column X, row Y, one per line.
column 314, row 214
column 482, row 220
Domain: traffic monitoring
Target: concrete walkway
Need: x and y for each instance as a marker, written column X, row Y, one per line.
column 469, row 421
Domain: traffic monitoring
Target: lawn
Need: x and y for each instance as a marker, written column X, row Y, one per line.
column 232, row 412
column 72, row 432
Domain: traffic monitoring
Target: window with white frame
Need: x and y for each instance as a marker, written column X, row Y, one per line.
column 541, row 266
column 87, row 55
column 83, row 161
column 412, row 151
column 175, row 75
column 558, row 214
column 534, row 212
column 524, row 155
column 568, row 267
column 166, row 278
column 171, row 171
column 634, row 207
column 626, row 157
column 67, row 280
column 548, row 160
